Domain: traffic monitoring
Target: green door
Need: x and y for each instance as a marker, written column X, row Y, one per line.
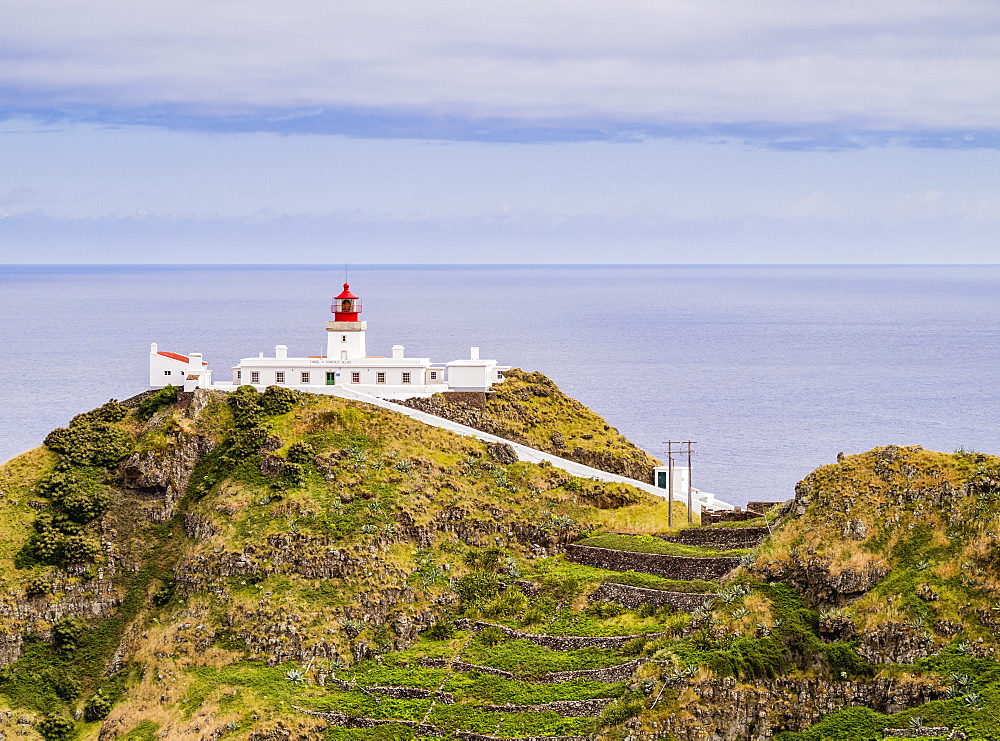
column 331, row 379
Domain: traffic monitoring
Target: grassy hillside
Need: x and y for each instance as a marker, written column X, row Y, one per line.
column 177, row 568
column 529, row 408
column 279, row 565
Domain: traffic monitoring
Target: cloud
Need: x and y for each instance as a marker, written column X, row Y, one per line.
column 796, row 74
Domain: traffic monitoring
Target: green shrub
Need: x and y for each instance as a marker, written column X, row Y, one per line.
column 38, row 585
column 64, row 685
column 635, row 646
column 440, row 631
column 491, row 636
column 301, row 452
column 163, row 593
column 848, row 723
column 55, row 728
column 535, row 614
column 79, row 549
column 486, row 559
column 56, row 522
column 293, row 475
column 510, row 603
column 97, row 708
column 620, row 710
column 112, row 411
column 478, row 586
column 751, row 658
column 846, row 663
column 561, row 588
column 607, row 610
column 84, row 506
column 66, row 632
column 245, row 405
column 90, row 444
column 47, row 546
column 155, row 402
column 278, row 400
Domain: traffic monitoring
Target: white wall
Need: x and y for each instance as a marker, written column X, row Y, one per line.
column 471, row 377
column 158, row 367
column 345, row 337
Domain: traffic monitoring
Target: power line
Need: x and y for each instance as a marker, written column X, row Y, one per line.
column 670, row 478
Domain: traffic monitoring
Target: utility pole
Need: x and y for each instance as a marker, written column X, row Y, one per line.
column 670, row 478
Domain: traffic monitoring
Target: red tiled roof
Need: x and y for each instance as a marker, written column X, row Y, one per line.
column 178, row 356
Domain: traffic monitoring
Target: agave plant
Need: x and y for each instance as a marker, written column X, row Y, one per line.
column 298, row 676
column 960, row 680
column 916, row 722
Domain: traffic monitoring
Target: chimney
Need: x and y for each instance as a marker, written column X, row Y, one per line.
column 281, row 352
column 397, row 352
column 474, row 352
column 152, row 348
column 194, row 361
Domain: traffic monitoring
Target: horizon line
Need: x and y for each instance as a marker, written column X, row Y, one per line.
column 431, row 266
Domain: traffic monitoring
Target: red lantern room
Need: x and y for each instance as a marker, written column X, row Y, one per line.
column 346, row 306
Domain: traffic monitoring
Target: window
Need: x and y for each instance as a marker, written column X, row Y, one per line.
column 434, row 375
column 279, row 376
column 254, row 376
column 305, row 377
column 239, row 375
column 343, row 338
column 356, row 377
column 380, row 378
column 167, row 373
column 406, row 378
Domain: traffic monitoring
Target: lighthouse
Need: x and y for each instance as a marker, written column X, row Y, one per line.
column 346, row 368
column 345, row 335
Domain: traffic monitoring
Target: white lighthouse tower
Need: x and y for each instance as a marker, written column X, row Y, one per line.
column 345, row 335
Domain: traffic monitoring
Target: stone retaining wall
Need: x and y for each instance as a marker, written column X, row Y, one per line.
column 462, row 666
column 926, row 732
column 568, row 708
column 568, row 643
column 609, row 674
column 672, row 567
column 723, row 538
column 470, row 736
column 761, row 507
column 633, row 598
column 409, row 693
column 356, row 721
column 728, row 515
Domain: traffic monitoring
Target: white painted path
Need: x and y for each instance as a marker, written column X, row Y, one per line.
column 524, row 453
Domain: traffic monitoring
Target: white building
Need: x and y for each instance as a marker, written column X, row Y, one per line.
column 346, row 363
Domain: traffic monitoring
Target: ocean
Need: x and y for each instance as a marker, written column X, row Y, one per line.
column 771, row 370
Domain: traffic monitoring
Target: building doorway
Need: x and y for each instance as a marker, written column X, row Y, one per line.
column 331, row 379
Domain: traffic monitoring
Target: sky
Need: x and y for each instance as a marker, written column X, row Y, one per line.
column 541, row 131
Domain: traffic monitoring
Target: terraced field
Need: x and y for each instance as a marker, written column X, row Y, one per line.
column 498, row 671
